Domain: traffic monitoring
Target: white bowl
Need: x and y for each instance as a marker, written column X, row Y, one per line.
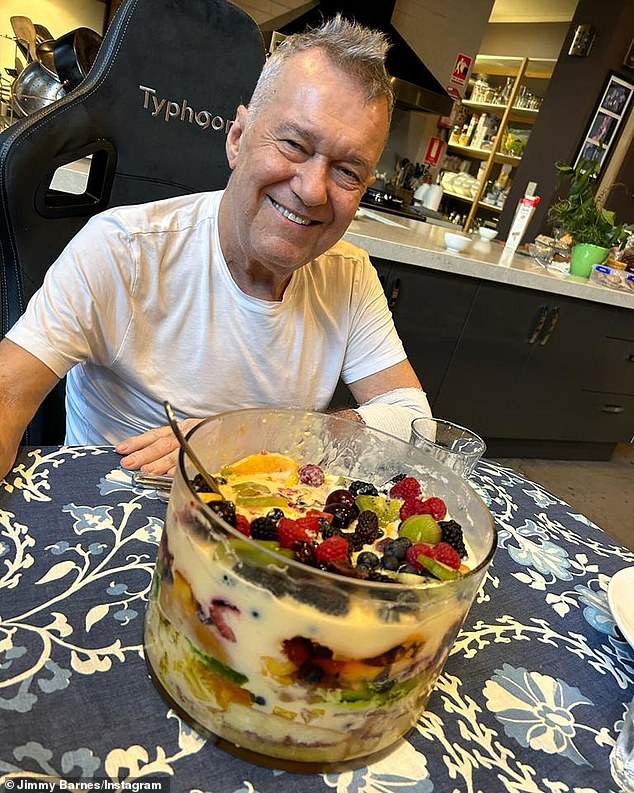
column 456, row 242
column 486, row 233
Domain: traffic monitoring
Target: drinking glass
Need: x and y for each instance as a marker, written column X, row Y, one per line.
column 449, row 444
column 622, row 756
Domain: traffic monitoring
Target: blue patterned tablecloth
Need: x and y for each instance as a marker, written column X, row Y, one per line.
column 531, row 698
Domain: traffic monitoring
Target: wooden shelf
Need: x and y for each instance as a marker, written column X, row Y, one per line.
column 509, row 65
column 523, row 114
column 483, row 154
column 468, row 200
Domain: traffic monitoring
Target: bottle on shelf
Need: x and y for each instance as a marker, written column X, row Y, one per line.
column 506, row 91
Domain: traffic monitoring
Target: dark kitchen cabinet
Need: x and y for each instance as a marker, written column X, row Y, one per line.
column 429, row 309
column 527, row 371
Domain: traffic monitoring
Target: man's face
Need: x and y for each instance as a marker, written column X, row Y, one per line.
column 300, row 167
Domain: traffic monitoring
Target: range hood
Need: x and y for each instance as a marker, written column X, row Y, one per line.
column 415, row 87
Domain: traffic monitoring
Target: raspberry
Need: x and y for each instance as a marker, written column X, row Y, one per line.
column 311, row 523
column 411, row 555
column 311, row 475
column 407, row 489
column 435, row 507
column 412, row 507
column 334, row 549
column 443, row 552
column 452, row 533
column 290, row 532
column 243, row 525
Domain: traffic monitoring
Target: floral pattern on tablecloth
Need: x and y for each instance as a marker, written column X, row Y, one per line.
column 530, row 700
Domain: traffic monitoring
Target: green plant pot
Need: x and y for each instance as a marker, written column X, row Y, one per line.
column 584, row 256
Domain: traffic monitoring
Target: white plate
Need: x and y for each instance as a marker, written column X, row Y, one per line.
column 621, row 602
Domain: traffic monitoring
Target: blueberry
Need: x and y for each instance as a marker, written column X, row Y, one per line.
column 408, row 568
column 389, row 562
column 369, row 560
column 398, row 548
column 275, row 514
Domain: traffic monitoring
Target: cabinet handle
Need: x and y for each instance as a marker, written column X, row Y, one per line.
column 395, row 291
column 554, row 319
column 612, row 409
column 539, row 325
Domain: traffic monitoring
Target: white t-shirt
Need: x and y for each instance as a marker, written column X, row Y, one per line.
column 141, row 307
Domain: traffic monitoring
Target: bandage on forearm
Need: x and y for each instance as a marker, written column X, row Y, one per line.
column 394, row 411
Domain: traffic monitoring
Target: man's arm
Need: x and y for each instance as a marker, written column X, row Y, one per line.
column 389, row 400
column 24, row 382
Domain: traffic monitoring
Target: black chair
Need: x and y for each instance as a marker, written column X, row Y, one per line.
column 152, row 117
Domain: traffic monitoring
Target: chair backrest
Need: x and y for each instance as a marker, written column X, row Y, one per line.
column 151, row 116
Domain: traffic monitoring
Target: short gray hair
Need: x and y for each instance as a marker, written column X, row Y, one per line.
column 355, row 49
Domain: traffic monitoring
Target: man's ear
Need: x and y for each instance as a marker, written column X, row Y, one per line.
column 234, row 136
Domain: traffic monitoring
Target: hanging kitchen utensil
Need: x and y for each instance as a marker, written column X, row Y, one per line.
column 19, row 66
column 42, row 33
column 33, row 89
column 24, row 31
column 74, row 53
column 45, row 55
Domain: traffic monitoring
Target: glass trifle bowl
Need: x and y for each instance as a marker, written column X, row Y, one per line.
column 293, row 661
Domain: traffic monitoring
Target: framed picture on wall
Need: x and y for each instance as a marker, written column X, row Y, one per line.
column 603, row 130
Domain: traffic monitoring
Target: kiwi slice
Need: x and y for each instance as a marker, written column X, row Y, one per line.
column 421, row 528
column 438, row 569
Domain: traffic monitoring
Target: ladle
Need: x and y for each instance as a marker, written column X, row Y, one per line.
column 171, row 417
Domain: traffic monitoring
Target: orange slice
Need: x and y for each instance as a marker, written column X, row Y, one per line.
column 262, row 463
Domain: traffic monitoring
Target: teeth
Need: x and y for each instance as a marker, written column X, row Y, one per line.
column 290, row 215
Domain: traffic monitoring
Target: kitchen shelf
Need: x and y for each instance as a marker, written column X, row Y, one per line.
column 484, row 154
column 468, row 200
column 520, row 69
column 525, row 115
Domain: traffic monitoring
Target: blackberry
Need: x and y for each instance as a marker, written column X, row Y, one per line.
column 358, row 488
column 264, row 529
column 452, row 533
column 396, row 603
column 369, row 560
column 275, row 582
column 200, row 486
column 304, row 552
column 367, row 529
column 326, row 599
column 275, row 514
column 224, row 509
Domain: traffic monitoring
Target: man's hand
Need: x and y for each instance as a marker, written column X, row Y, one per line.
column 155, row 451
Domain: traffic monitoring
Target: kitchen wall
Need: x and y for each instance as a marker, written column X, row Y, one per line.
column 409, row 134
column 58, row 17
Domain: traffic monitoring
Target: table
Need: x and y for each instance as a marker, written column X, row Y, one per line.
column 530, row 700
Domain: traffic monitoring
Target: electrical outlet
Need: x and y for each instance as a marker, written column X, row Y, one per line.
column 582, row 41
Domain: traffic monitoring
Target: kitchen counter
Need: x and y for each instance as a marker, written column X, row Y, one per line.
column 422, row 245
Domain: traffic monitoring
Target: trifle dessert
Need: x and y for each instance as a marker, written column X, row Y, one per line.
column 304, row 614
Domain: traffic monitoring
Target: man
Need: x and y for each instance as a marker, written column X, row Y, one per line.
column 232, row 299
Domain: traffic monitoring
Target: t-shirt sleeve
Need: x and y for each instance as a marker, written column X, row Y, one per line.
column 82, row 310
column 373, row 343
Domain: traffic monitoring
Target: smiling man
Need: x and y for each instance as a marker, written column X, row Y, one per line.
column 238, row 298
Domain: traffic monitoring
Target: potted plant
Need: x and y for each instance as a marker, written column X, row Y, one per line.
column 593, row 229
